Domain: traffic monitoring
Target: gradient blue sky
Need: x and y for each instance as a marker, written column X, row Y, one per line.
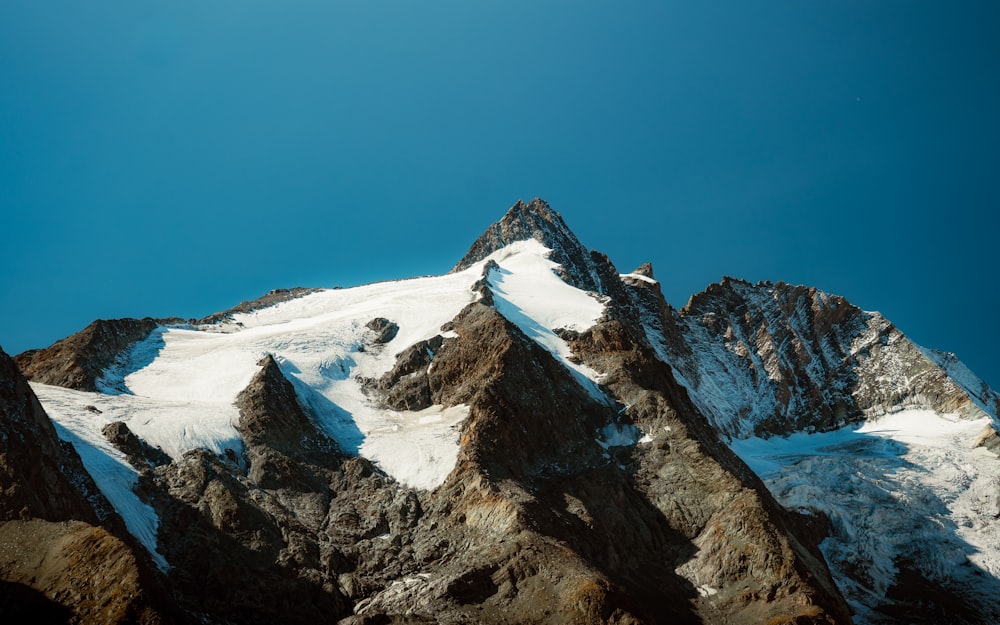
column 174, row 158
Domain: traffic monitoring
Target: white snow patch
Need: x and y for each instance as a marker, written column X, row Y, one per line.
column 177, row 389
column 528, row 293
column 417, row 448
column 639, row 276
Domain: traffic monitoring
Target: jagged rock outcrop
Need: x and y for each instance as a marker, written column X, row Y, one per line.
column 40, row 475
column 532, row 472
column 772, row 358
column 536, row 220
column 140, row 454
column 79, row 361
column 749, row 560
column 257, row 519
column 383, row 329
column 594, row 480
column 63, row 548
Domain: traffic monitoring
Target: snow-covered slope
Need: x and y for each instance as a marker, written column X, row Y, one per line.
column 176, row 389
column 905, row 495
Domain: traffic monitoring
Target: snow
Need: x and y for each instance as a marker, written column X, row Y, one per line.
column 908, row 484
column 176, row 389
column 417, row 448
column 640, row 277
column 528, row 293
column 981, row 394
column 112, row 473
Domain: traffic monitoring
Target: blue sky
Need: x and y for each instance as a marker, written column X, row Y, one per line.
column 174, row 158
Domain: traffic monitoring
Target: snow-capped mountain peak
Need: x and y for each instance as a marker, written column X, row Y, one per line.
column 531, row 437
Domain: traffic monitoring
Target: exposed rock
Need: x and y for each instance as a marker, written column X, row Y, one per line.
column 989, row 439
column 85, row 574
column 40, row 475
column 748, row 559
column 645, row 269
column 63, row 548
column 79, row 361
column 384, row 330
column 407, row 385
column 270, row 416
column 140, row 454
column 240, row 553
column 535, row 220
column 772, row 358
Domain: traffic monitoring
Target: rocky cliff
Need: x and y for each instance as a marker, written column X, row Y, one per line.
column 65, row 555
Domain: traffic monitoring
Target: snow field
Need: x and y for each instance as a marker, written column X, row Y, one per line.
column 906, row 485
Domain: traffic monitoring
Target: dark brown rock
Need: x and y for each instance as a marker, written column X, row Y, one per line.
column 62, row 546
column 82, row 571
column 40, row 475
column 79, row 361
column 384, row 329
column 140, row 454
column 754, row 557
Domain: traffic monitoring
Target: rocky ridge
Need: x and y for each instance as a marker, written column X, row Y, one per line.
column 568, row 503
column 772, row 358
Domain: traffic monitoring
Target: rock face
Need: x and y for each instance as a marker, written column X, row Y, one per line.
column 84, row 573
column 535, row 220
column 140, row 454
column 771, row 358
column 595, row 480
column 62, row 553
column 79, row 361
column 40, row 475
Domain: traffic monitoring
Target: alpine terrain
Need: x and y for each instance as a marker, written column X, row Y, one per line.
column 533, row 437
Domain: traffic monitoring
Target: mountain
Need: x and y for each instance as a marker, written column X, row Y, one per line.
column 530, row 438
column 885, row 443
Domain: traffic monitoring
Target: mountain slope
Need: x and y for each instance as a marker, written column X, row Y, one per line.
column 529, row 438
column 895, row 471
column 62, row 552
